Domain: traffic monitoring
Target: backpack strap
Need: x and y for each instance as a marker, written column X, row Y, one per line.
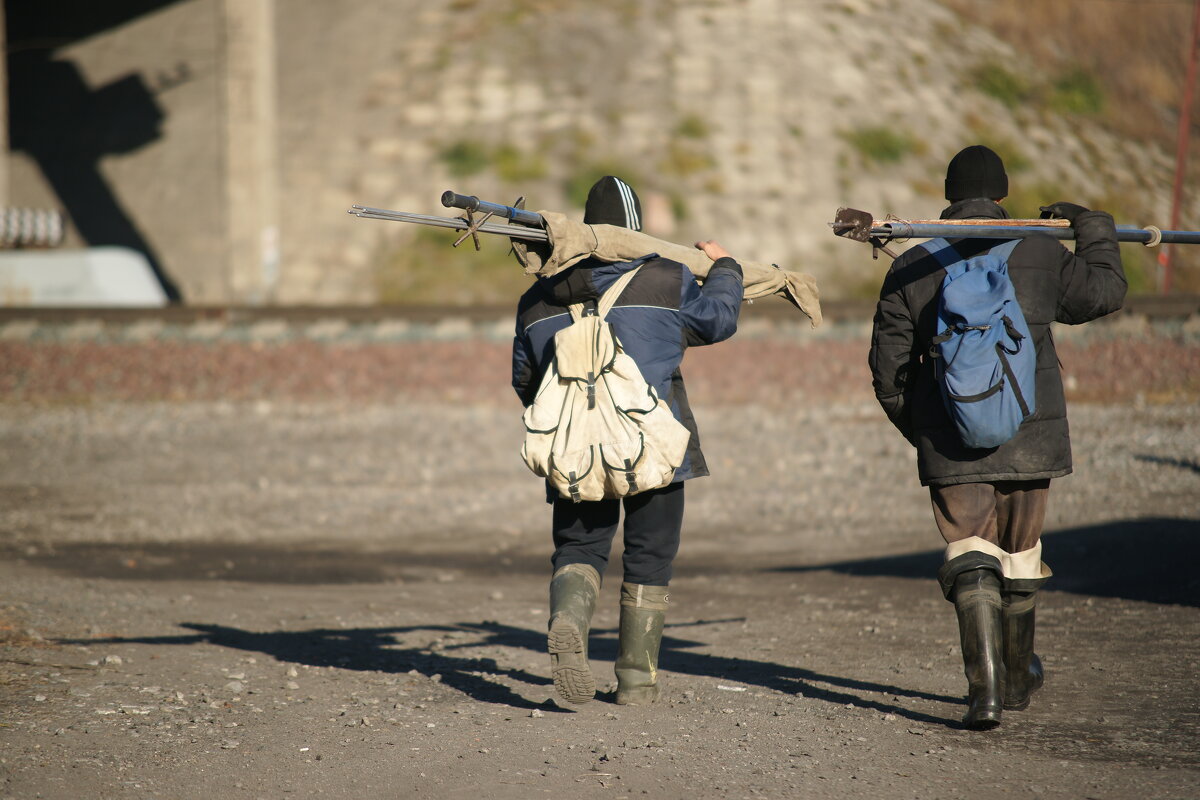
column 1005, row 250
column 609, row 298
column 942, row 252
column 945, row 254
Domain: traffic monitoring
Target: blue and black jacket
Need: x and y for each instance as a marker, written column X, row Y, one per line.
column 662, row 312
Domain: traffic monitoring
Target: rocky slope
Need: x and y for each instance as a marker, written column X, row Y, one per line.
column 748, row 120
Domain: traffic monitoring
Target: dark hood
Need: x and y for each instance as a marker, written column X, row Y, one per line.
column 586, row 280
column 572, row 285
column 975, row 208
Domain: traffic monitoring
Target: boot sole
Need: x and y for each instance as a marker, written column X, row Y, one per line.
column 1022, row 703
column 983, row 721
column 641, row 696
column 568, row 665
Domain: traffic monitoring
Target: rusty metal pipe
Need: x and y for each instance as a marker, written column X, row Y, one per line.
column 1125, row 233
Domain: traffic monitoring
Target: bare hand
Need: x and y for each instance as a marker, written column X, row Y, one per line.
column 713, row 249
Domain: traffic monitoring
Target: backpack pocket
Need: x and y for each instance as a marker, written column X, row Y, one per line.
column 575, row 474
column 623, row 472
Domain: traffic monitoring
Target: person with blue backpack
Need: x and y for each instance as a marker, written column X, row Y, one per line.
column 964, row 365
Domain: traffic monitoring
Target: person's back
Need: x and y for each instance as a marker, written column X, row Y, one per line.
column 990, row 504
column 1052, row 285
column 659, row 314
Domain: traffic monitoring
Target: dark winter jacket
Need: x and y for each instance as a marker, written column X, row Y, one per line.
column 660, row 314
column 1052, row 285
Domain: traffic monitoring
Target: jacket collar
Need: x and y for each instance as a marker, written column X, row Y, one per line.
column 975, row 208
column 587, row 279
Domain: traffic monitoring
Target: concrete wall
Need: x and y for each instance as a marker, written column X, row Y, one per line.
column 274, row 116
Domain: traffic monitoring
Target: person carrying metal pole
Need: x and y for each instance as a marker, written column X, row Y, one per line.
column 989, row 503
column 658, row 314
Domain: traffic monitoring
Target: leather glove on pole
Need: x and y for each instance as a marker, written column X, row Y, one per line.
column 1061, row 210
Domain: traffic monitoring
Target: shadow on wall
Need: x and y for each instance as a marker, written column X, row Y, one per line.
column 67, row 126
column 1144, row 559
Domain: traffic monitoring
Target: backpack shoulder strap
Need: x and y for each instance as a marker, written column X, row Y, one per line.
column 942, row 252
column 945, row 254
column 1005, row 250
column 609, row 298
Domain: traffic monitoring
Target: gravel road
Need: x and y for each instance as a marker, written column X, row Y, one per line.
column 294, row 570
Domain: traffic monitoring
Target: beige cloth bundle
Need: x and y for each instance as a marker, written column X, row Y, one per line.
column 571, row 242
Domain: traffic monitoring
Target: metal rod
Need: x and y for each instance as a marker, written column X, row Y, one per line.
column 1181, row 151
column 1125, row 233
column 472, row 203
column 994, row 223
column 454, row 223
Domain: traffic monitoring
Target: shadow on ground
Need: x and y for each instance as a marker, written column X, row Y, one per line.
column 425, row 649
column 1142, row 559
column 283, row 563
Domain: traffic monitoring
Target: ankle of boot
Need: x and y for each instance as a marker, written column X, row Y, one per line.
column 586, row 571
column 637, row 595
column 637, row 695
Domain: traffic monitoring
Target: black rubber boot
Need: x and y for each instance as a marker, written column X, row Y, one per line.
column 573, row 591
column 980, row 621
column 1022, row 666
column 643, row 613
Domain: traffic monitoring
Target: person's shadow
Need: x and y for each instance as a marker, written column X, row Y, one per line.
column 380, row 649
column 1136, row 559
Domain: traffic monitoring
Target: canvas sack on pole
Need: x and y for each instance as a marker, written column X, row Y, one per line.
column 547, row 242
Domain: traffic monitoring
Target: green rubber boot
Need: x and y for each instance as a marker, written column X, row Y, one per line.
column 573, row 591
column 643, row 611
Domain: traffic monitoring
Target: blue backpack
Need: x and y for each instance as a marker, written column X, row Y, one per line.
column 984, row 357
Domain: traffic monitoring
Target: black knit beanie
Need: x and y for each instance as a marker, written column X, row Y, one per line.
column 976, row 172
column 612, row 202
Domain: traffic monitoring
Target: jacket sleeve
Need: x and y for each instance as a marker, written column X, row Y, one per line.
column 710, row 312
column 523, row 372
column 1091, row 280
column 893, row 358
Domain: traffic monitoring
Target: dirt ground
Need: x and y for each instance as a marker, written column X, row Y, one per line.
column 302, row 594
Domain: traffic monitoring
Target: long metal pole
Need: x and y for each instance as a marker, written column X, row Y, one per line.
column 454, row 223
column 1181, row 152
column 1125, row 233
column 472, row 203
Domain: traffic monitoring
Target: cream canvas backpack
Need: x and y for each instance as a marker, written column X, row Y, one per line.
column 596, row 429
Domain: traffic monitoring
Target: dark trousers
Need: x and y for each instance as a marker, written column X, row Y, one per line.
column 1009, row 514
column 583, row 533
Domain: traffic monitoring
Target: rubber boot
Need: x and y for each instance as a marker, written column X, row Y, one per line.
column 980, row 622
column 643, row 611
column 1022, row 666
column 573, row 590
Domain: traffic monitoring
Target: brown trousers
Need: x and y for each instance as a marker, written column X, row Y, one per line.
column 1009, row 514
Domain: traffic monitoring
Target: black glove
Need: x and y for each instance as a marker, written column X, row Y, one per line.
column 1061, row 210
